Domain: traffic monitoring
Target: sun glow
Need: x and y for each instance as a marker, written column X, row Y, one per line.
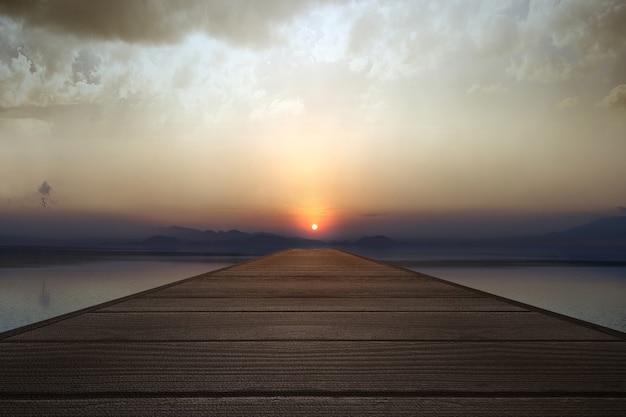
column 315, row 221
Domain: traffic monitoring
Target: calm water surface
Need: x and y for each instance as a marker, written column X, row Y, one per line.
column 590, row 293
column 33, row 292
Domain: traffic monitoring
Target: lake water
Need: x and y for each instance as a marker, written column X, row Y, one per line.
column 596, row 294
column 34, row 289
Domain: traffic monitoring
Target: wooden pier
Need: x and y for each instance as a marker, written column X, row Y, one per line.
column 313, row 332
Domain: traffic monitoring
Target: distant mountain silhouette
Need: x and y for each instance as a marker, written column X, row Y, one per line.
column 232, row 241
column 189, row 235
column 231, row 234
column 608, row 230
column 160, row 241
column 377, row 241
column 182, row 233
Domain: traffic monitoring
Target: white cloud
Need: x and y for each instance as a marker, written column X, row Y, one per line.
column 616, row 99
column 496, row 35
column 278, row 108
column 562, row 40
column 568, row 102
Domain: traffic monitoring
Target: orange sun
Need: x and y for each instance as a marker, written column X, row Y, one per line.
column 314, row 226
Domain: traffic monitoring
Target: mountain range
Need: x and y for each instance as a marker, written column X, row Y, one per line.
column 609, row 231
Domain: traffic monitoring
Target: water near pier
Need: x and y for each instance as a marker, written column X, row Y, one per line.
column 34, row 288
column 596, row 294
column 313, row 332
column 37, row 288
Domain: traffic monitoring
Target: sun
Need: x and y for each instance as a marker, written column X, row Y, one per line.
column 314, row 226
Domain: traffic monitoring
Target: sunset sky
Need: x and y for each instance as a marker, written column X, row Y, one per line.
column 364, row 116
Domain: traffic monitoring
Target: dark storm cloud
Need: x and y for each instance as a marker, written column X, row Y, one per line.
column 156, row 21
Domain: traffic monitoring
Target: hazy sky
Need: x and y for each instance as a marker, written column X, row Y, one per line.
column 272, row 115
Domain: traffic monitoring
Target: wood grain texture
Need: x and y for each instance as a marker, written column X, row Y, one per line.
column 258, row 304
column 314, row 406
column 322, row 407
column 313, row 263
column 313, row 332
column 316, row 287
column 323, row 368
column 194, row 326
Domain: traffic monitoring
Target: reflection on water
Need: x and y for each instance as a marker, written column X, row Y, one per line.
column 593, row 294
column 44, row 297
column 29, row 294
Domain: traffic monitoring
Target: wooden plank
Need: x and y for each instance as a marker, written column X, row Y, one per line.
column 322, row 368
column 322, row 407
column 364, row 271
column 243, row 304
column 313, row 332
column 312, row 260
column 317, row 287
column 194, row 326
column 296, row 263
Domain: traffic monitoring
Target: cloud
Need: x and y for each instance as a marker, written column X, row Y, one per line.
column 44, row 61
column 291, row 107
column 400, row 39
column 156, row 21
column 496, row 36
column 616, row 99
column 372, row 105
column 86, row 66
column 561, row 40
column 491, row 89
column 41, row 68
column 568, row 102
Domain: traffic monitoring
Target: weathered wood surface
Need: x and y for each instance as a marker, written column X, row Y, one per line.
column 287, row 304
column 199, row 326
column 313, row 332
